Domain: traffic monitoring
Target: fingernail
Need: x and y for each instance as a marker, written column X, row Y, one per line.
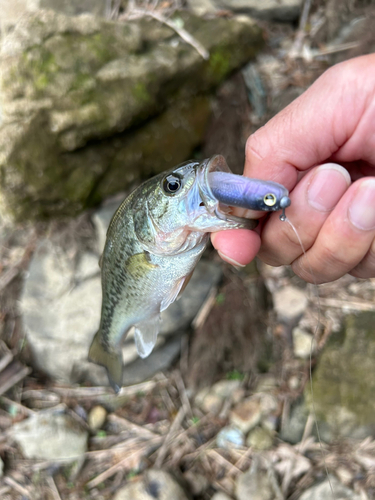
column 234, row 263
column 329, row 183
column 362, row 207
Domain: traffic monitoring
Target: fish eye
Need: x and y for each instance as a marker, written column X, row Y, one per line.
column 269, row 199
column 171, row 184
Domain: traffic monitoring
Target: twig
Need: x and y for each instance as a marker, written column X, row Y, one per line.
column 53, row 488
column 141, row 431
column 164, row 448
column 347, row 305
column 16, row 486
column 205, row 310
column 19, row 406
column 14, row 378
column 94, row 392
column 112, row 470
column 185, row 35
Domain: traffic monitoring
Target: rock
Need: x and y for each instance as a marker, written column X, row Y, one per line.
column 246, row 415
column 344, row 380
column 67, row 84
column 272, row 10
column 12, row 11
column 303, row 343
column 97, row 418
column 260, row 439
column 202, row 7
column 323, row 491
column 257, row 484
column 198, row 483
column 154, row 484
column 50, row 435
column 289, row 302
column 230, row 437
column 61, row 303
column 220, row 496
column 294, row 426
column 211, row 399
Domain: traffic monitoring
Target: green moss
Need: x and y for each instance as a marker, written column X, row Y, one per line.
column 140, row 93
column 219, row 64
column 345, row 376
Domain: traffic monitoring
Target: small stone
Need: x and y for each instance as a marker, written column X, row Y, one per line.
column 246, row 415
column 289, row 302
column 198, row 483
column 323, row 491
column 210, row 400
column 256, row 484
column 294, row 383
column 303, row 343
column 50, row 435
column 230, row 437
column 97, row 418
column 266, row 383
column 154, row 484
column 260, row 439
column 220, row 496
column 293, row 428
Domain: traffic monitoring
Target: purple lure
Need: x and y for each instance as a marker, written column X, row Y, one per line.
column 255, row 194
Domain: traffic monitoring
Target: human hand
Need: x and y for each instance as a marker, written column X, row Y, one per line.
column 333, row 208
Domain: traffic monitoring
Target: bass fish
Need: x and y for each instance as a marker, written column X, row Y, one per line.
column 155, row 240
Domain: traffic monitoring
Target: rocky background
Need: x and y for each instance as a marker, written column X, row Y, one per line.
column 96, row 96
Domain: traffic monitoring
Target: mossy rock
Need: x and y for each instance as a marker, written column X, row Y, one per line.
column 68, row 85
column 344, row 380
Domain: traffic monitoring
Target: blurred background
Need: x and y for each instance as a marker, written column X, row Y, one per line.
column 95, row 97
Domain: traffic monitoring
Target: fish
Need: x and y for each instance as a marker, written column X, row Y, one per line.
column 154, row 241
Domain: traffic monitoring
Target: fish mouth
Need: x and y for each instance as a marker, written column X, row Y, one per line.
column 218, row 163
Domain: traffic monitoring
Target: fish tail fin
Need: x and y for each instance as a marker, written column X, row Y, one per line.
column 110, row 360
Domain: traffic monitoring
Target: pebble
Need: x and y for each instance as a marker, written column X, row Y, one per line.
column 256, row 484
column 289, row 303
column 153, row 485
column 210, row 399
column 323, row 491
column 230, row 437
column 198, row 483
column 50, row 435
column 246, row 415
column 302, row 343
column 260, row 439
column 220, row 496
column 97, row 418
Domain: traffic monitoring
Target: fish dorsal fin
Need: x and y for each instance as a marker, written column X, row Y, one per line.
column 146, row 334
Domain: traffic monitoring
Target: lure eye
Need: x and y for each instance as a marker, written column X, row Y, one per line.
column 171, row 184
column 269, row 200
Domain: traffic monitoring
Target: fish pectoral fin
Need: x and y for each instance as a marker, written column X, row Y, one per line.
column 140, row 263
column 174, row 293
column 145, row 335
column 112, row 361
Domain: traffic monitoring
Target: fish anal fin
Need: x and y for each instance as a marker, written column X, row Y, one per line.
column 112, row 361
column 145, row 335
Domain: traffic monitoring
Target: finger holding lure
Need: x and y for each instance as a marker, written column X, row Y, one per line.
column 154, row 242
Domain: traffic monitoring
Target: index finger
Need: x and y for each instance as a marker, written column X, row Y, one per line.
column 333, row 119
